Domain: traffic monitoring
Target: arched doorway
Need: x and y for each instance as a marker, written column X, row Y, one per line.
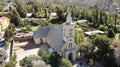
column 70, row 56
column 41, row 41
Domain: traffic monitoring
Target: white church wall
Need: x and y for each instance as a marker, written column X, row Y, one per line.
column 37, row 40
column 44, row 40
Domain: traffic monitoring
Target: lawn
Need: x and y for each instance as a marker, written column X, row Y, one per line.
column 34, row 28
column 117, row 35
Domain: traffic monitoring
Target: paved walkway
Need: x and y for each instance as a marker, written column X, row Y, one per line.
column 24, row 49
column 77, row 64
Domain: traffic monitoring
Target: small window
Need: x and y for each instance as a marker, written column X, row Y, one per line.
column 64, row 31
column 70, row 31
column 71, row 44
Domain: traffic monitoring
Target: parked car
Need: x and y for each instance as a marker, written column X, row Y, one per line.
column 2, row 42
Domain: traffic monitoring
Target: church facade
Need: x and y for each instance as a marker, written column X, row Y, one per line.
column 59, row 37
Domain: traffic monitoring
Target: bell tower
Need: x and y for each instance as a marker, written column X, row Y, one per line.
column 68, row 31
column 70, row 48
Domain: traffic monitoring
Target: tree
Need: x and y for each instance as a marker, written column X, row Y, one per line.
column 41, row 52
column 117, row 55
column 35, row 23
column 102, row 42
column 111, row 33
column 79, row 37
column 14, row 17
column 37, row 10
column 102, row 28
column 28, row 27
column 25, row 62
column 33, row 61
column 115, row 21
column 36, row 14
column 66, row 63
column 29, row 7
column 20, row 8
column 115, row 45
column 3, row 55
column 104, row 52
column 22, row 23
column 9, row 64
column 55, row 59
column 61, row 13
column 9, row 32
column 6, row 43
column 46, row 13
column 12, row 61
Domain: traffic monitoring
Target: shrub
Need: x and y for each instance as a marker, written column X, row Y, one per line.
column 111, row 33
column 28, row 27
column 102, row 28
column 23, row 30
column 41, row 52
column 25, row 62
column 22, row 24
column 7, row 43
column 3, row 55
column 35, row 23
column 66, row 63
column 36, row 14
column 28, row 61
column 119, row 36
column 44, row 23
column 9, row 32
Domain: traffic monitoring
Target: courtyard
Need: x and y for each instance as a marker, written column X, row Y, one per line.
column 24, row 48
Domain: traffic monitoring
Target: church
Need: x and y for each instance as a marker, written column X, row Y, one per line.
column 59, row 37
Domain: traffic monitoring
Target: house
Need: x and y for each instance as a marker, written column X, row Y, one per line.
column 29, row 14
column 81, row 21
column 4, row 22
column 8, row 6
column 23, row 36
column 53, row 15
column 89, row 33
column 59, row 37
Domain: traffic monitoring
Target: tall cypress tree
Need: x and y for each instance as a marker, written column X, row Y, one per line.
column 20, row 8
column 15, row 17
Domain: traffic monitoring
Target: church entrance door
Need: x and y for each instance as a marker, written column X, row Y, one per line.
column 71, row 56
column 41, row 41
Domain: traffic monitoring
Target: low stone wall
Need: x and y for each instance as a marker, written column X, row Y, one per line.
column 23, row 38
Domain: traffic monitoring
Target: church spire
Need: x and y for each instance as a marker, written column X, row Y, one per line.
column 69, row 18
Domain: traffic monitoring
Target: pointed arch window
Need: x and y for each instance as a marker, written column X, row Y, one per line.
column 70, row 31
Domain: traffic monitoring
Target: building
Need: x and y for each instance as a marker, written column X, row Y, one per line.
column 58, row 37
column 53, row 15
column 82, row 21
column 90, row 33
column 23, row 36
column 4, row 22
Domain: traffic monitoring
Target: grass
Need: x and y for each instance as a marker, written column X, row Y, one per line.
column 34, row 28
column 85, row 27
column 117, row 36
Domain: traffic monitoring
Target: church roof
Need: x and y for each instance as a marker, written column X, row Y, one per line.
column 42, row 32
column 55, row 36
column 53, row 33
